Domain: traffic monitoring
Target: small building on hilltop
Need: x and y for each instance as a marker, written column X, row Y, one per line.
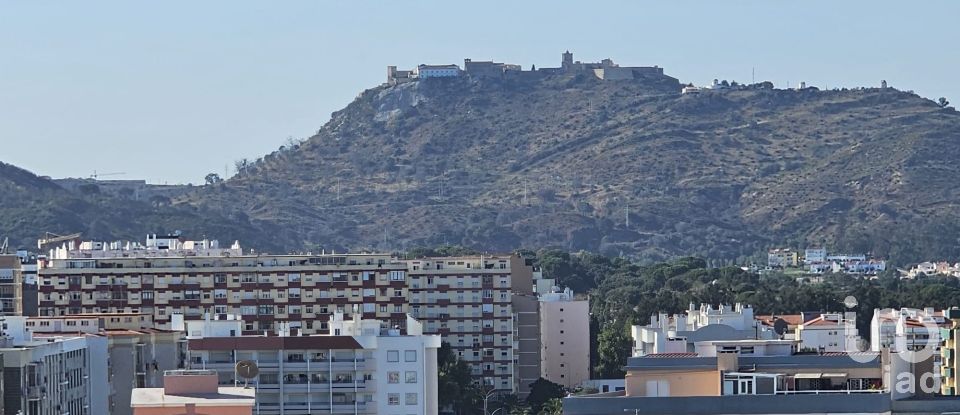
column 488, row 69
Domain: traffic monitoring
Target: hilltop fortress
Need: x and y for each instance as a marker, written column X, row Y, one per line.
column 605, row 70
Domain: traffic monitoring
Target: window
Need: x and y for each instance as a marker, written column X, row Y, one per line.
column 393, row 377
column 410, row 356
column 397, row 275
column 393, row 355
column 411, row 399
column 393, row 399
column 410, row 377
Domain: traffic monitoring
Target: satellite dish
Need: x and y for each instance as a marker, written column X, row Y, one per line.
column 850, row 301
column 247, row 369
column 780, row 326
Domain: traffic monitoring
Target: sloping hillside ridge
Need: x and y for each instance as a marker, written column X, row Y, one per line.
column 620, row 167
column 31, row 205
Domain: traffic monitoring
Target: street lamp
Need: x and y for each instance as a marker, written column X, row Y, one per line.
column 485, row 398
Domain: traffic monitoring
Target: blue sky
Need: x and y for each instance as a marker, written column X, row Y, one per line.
column 169, row 91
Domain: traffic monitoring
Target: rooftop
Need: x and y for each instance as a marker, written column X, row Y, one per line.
column 819, row 361
column 226, row 396
column 192, row 387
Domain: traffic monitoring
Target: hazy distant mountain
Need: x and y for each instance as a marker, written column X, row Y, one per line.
column 566, row 161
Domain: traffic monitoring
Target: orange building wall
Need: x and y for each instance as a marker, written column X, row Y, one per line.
column 686, row 383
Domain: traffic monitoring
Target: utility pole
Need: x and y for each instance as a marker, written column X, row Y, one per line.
column 524, row 192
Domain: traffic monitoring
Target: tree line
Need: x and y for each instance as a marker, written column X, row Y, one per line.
column 623, row 293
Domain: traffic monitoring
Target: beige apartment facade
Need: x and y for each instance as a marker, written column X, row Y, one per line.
column 564, row 338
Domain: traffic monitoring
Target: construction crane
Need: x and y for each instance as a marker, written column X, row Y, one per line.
column 52, row 238
column 96, row 176
column 3, row 248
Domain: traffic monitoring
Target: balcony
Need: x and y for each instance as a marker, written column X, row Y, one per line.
column 299, row 379
column 347, row 383
column 35, row 393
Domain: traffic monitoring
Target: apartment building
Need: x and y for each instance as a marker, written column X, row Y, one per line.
column 746, row 377
column 11, row 286
column 190, row 391
column 360, row 368
column 468, row 300
column 782, row 258
column 564, row 338
column 830, row 332
column 949, row 363
column 908, row 330
column 465, row 299
column 137, row 353
column 52, row 374
column 138, row 359
column 679, row 333
column 750, row 370
column 28, row 272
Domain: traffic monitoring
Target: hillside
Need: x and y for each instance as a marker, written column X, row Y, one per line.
column 31, row 205
column 611, row 166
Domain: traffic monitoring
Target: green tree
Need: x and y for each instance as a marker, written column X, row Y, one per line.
column 541, row 392
column 455, row 386
column 212, row 178
column 552, row 407
column 613, row 350
column 942, row 102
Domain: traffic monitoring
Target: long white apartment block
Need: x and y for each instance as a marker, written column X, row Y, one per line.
column 465, row 299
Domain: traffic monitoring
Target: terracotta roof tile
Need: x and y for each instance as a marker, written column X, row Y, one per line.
column 670, row 355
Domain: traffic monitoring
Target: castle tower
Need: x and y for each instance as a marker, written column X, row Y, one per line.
column 567, row 61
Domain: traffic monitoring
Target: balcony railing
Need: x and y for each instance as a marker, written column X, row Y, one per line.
column 830, row 392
